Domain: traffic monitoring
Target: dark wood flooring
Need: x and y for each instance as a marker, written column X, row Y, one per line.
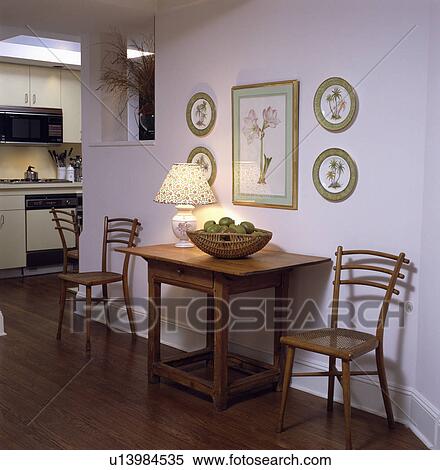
column 52, row 396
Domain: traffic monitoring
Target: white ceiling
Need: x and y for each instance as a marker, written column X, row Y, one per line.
column 67, row 19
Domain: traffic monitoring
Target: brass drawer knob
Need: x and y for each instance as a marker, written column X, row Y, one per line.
column 179, row 271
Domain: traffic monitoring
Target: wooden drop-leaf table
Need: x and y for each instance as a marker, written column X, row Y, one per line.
column 218, row 278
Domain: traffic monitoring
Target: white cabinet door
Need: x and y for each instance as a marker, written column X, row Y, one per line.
column 71, row 104
column 45, row 87
column 41, row 232
column 14, row 85
column 12, row 239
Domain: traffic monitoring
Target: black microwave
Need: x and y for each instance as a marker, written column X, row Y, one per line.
column 26, row 125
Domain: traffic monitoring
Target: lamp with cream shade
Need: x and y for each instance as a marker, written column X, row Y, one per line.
column 185, row 186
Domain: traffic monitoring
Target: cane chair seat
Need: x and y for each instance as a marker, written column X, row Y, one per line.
column 92, row 278
column 73, row 254
column 337, row 342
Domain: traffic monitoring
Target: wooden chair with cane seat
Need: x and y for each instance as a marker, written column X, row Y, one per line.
column 346, row 344
column 66, row 222
column 121, row 231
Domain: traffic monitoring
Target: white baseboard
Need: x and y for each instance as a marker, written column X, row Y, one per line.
column 2, row 325
column 410, row 407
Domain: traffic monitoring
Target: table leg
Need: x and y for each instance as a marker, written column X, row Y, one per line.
column 210, row 317
column 154, row 295
column 281, row 294
column 221, row 325
column 210, row 321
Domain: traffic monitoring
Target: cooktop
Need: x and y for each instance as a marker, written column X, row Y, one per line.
column 19, row 181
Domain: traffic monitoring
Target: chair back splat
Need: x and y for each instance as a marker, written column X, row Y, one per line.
column 389, row 285
column 121, row 231
column 67, row 222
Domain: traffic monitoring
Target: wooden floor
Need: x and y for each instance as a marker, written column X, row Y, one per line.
column 53, row 397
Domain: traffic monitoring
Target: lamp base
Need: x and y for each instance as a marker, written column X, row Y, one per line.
column 181, row 222
column 184, row 244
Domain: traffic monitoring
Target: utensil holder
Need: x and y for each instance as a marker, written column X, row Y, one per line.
column 61, row 172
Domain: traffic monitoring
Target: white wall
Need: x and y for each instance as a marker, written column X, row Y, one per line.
column 428, row 376
column 221, row 44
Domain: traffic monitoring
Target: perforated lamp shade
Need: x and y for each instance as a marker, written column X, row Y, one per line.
column 185, row 184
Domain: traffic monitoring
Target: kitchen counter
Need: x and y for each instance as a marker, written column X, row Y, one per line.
column 39, row 188
column 27, row 235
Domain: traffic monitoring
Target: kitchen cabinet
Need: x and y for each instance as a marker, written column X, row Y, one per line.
column 12, row 232
column 14, row 85
column 24, row 85
column 12, row 239
column 71, row 104
column 45, row 87
column 26, row 234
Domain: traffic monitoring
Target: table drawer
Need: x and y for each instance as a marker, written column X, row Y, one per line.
column 181, row 274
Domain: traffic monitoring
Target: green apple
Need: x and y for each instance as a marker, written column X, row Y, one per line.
column 208, row 224
column 214, row 228
column 226, row 221
column 249, row 226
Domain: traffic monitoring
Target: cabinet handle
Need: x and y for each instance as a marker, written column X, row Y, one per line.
column 34, row 98
column 2, row 221
column 26, row 98
column 179, row 271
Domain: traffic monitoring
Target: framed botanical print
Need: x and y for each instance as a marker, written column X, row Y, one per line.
column 205, row 159
column 201, row 114
column 335, row 174
column 335, row 104
column 265, row 144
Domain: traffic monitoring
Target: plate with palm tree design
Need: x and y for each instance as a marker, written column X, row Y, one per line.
column 335, row 104
column 335, row 174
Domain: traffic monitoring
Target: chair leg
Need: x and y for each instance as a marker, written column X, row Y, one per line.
column 331, row 383
column 128, row 306
column 286, row 385
column 347, row 402
column 63, row 291
column 384, row 385
column 106, row 306
column 65, row 263
column 88, row 316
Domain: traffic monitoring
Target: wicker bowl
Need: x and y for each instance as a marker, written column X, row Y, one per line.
column 229, row 245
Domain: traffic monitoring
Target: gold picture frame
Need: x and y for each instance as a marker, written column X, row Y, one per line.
column 258, row 109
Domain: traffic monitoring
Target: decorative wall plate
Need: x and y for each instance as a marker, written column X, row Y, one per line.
column 205, row 159
column 335, row 174
column 201, row 114
column 335, row 104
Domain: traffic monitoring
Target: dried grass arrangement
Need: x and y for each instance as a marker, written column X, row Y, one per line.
column 130, row 78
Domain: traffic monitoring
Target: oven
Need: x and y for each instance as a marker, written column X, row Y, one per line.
column 25, row 125
column 43, row 243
